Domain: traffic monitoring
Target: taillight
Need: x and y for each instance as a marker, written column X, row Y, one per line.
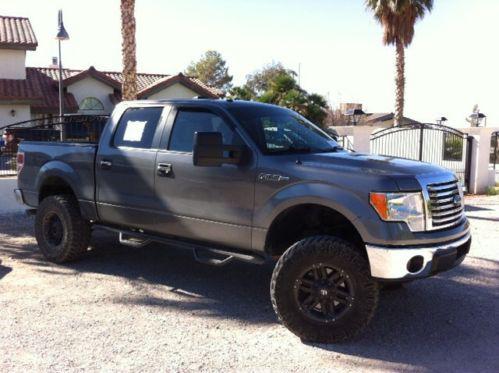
column 20, row 161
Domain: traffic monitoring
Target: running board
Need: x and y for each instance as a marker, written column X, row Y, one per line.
column 210, row 255
column 132, row 241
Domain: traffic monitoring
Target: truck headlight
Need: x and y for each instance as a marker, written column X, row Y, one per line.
column 406, row 207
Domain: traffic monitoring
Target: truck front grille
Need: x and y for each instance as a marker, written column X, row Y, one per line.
column 446, row 205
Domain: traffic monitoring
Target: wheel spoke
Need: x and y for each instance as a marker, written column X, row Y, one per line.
column 325, row 307
column 342, row 296
column 305, row 288
column 317, row 274
column 306, row 282
column 335, row 277
column 309, row 300
column 322, row 272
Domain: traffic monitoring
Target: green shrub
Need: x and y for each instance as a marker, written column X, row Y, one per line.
column 491, row 191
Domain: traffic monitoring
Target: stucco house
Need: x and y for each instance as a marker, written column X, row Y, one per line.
column 32, row 92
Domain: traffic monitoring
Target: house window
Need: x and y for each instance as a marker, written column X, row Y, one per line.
column 453, row 147
column 91, row 103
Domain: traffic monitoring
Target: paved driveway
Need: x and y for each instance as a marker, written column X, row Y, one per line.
column 128, row 309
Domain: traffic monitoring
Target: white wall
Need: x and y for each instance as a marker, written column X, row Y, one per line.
column 90, row 87
column 12, row 64
column 22, row 113
column 481, row 176
column 175, row 91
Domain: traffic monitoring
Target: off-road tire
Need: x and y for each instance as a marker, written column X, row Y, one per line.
column 331, row 251
column 75, row 235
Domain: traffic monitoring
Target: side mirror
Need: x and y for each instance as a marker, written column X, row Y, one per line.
column 209, row 150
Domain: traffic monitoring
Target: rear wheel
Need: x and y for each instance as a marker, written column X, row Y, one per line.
column 61, row 232
column 322, row 290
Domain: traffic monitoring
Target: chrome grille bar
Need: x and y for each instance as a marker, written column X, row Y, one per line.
column 444, row 202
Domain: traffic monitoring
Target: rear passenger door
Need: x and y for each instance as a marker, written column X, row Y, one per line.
column 203, row 203
column 125, row 169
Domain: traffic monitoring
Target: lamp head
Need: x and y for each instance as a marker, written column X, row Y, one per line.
column 62, row 34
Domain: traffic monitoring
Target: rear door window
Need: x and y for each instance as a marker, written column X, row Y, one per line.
column 137, row 127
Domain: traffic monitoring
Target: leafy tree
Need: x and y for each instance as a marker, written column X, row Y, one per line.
column 317, row 109
column 398, row 18
column 212, row 70
column 259, row 81
column 242, row 93
column 276, row 85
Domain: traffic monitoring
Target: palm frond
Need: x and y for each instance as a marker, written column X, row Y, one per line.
column 398, row 17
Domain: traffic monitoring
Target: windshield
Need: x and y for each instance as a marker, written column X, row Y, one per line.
column 277, row 130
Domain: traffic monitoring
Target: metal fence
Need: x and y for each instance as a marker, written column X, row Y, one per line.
column 494, row 150
column 346, row 142
column 427, row 142
column 68, row 128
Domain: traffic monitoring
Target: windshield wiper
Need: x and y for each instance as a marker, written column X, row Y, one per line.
column 331, row 149
column 301, row 149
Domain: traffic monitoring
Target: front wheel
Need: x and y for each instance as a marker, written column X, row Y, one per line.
column 322, row 291
column 61, row 232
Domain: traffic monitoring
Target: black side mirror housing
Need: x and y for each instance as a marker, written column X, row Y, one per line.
column 209, row 150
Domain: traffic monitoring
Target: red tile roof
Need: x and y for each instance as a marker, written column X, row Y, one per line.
column 16, row 33
column 144, row 81
column 40, row 89
column 37, row 90
column 50, row 94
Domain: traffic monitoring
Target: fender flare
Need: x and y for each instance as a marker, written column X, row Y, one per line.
column 59, row 170
column 347, row 203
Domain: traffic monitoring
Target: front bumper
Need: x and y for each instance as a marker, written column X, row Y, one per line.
column 411, row 262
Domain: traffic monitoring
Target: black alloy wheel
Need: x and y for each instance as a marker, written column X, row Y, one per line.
column 324, row 293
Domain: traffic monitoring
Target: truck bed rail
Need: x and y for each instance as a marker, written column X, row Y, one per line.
column 67, row 128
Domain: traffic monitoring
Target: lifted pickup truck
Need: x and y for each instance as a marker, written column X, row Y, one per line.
column 235, row 180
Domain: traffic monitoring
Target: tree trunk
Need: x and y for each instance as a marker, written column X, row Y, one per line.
column 129, row 86
column 399, row 83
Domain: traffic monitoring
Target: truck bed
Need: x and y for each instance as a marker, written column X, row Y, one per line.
column 52, row 159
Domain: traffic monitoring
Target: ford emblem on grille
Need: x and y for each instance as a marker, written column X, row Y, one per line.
column 457, row 200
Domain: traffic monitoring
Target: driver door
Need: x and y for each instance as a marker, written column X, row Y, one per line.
column 203, row 203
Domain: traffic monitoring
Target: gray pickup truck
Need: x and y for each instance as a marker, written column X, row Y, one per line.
column 236, row 180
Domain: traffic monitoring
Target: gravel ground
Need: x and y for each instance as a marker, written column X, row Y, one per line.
column 128, row 309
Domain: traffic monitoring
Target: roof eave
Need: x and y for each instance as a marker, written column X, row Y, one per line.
column 19, row 46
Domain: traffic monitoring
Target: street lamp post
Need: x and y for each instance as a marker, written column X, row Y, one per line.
column 62, row 34
column 355, row 115
column 477, row 119
column 441, row 120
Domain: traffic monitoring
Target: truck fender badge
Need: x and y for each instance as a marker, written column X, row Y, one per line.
column 272, row 177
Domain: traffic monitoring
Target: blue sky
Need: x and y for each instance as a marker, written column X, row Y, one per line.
column 452, row 63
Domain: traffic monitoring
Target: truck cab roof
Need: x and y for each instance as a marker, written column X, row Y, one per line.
column 224, row 103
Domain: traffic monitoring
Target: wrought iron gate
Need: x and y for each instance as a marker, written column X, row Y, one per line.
column 494, row 150
column 433, row 143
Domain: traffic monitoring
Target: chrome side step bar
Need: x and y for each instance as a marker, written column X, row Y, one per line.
column 132, row 241
column 202, row 254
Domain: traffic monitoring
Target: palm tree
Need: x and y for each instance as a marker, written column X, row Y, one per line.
column 129, row 89
column 398, row 18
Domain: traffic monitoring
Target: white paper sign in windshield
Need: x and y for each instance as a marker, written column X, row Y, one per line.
column 134, row 130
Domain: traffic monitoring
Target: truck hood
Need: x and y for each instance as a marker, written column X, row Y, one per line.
column 371, row 163
column 403, row 172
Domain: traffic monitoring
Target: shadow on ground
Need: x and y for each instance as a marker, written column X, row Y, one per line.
column 4, row 270
column 450, row 320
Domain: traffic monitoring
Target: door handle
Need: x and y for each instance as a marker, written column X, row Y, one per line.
column 164, row 169
column 106, row 165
